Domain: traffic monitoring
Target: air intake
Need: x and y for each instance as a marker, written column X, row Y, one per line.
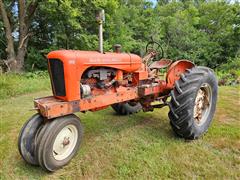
column 57, row 77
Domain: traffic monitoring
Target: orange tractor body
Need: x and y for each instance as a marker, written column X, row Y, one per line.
column 67, row 67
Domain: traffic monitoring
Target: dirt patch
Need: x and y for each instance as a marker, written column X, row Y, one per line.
column 224, row 143
column 223, row 118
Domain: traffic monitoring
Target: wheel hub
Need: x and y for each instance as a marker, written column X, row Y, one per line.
column 202, row 104
column 65, row 142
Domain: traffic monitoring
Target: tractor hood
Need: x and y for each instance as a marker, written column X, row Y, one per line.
column 85, row 59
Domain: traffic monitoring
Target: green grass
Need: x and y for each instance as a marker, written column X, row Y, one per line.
column 140, row 146
column 16, row 84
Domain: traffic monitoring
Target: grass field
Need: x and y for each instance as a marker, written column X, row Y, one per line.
column 140, row 146
column 17, row 84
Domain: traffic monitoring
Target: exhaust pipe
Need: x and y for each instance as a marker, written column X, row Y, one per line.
column 100, row 19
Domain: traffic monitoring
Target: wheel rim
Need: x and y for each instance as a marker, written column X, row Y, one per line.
column 65, row 142
column 203, row 103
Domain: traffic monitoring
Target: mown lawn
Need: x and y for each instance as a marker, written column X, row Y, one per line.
column 140, row 146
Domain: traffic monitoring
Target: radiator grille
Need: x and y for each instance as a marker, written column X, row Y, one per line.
column 57, row 79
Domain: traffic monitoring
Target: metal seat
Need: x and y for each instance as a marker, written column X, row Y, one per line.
column 163, row 63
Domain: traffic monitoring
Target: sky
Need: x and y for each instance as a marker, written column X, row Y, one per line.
column 153, row 1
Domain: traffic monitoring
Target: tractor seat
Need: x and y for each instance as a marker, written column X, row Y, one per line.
column 160, row 64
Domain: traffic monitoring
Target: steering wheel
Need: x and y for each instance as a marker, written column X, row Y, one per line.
column 156, row 48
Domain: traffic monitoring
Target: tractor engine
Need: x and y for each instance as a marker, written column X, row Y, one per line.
column 97, row 81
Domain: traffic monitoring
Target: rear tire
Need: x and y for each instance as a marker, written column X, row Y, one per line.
column 58, row 142
column 127, row 108
column 193, row 102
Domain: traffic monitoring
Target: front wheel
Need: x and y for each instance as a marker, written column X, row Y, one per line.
column 193, row 102
column 58, row 142
column 27, row 136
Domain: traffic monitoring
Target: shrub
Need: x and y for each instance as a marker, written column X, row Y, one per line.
column 229, row 73
column 35, row 60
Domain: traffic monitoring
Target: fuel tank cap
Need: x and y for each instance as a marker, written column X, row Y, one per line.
column 117, row 48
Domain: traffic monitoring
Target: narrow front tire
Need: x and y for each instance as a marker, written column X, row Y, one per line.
column 59, row 142
column 27, row 139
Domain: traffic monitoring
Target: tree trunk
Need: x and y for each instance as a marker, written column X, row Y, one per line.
column 21, row 53
column 11, row 56
column 25, row 16
column 20, row 60
column 15, row 59
column 23, row 35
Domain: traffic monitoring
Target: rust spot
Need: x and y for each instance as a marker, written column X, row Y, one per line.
column 75, row 106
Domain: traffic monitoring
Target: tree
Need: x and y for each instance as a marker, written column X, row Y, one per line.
column 2, row 41
column 207, row 32
column 17, row 12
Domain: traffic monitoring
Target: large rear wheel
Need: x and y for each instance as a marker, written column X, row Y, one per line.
column 193, row 102
column 127, row 108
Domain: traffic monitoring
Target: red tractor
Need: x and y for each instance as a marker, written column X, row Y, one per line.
column 94, row 80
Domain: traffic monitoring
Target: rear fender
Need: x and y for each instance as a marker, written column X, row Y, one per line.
column 176, row 69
